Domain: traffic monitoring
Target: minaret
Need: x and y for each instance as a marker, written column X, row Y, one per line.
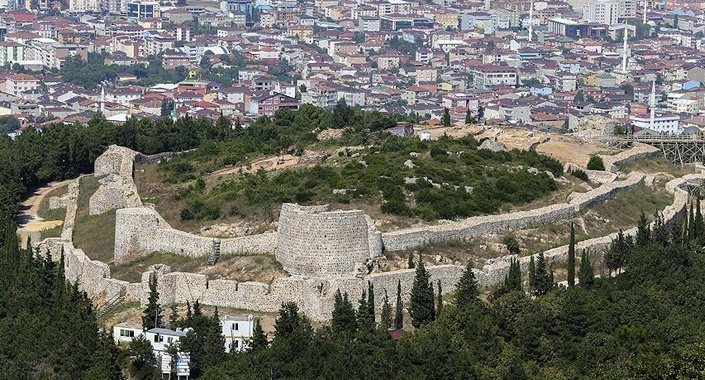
column 645, row 3
column 652, row 105
column 102, row 100
column 624, row 51
column 531, row 19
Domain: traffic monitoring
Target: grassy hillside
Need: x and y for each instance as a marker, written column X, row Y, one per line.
column 402, row 179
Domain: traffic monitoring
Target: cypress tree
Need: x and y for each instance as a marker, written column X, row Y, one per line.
column 343, row 314
column 514, row 276
column 699, row 227
column 173, row 317
column 532, row 276
column 421, row 308
column 259, row 338
column 691, row 224
column 151, row 315
column 467, row 290
column 571, row 257
column 542, row 275
column 586, row 275
column 410, row 261
column 446, row 117
column 363, row 313
column 371, row 301
column 398, row 314
column 677, row 232
column 439, row 301
column 385, row 319
column 643, row 233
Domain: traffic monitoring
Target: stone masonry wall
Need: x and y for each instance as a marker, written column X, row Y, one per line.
column 639, row 151
column 140, row 231
column 117, row 188
column 477, row 226
column 312, row 242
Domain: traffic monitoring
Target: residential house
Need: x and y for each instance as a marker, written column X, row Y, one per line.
column 269, row 104
column 237, row 331
column 124, row 332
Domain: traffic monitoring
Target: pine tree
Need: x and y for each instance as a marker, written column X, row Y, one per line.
column 421, row 308
column 398, row 313
column 446, row 117
column 197, row 312
column 469, row 118
column 532, row 276
column 643, row 233
column 151, row 315
column 385, row 319
column 259, row 338
column 467, row 290
column 439, row 300
column 343, row 314
column 571, row 257
column 586, row 276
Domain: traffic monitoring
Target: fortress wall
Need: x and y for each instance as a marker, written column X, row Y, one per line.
column 639, row 151
column 140, row 231
column 597, row 176
column 152, row 158
column 58, row 202
column 71, row 208
column 260, row 243
column 493, row 224
column 117, row 189
column 312, row 242
column 584, row 200
column 135, row 229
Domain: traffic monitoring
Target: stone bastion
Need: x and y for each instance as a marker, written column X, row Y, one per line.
column 141, row 230
column 315, row 241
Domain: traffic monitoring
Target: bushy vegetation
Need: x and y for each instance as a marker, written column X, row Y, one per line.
column 432, row 186
column 595, row 163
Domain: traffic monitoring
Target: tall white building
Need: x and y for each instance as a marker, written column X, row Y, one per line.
column 603, row 12
column 627, row 9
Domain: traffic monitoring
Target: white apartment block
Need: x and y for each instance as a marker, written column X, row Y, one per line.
column 627, row 8
column 662, row 123
column 84, row 5
column 393, row 6
column 603, row 12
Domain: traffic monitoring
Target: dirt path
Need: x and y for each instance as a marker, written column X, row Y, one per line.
column 28, row 222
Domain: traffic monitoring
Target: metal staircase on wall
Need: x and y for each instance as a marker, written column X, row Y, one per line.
column 215, row 253
column 110, row 305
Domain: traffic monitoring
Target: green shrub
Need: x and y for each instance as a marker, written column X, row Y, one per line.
column 595, row 163
column 579, row 174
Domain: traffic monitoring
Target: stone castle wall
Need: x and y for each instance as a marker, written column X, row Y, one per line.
column 314, row 241
column 638, row 152
column 117, row 188
column 140, row 230
column 493, row 224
